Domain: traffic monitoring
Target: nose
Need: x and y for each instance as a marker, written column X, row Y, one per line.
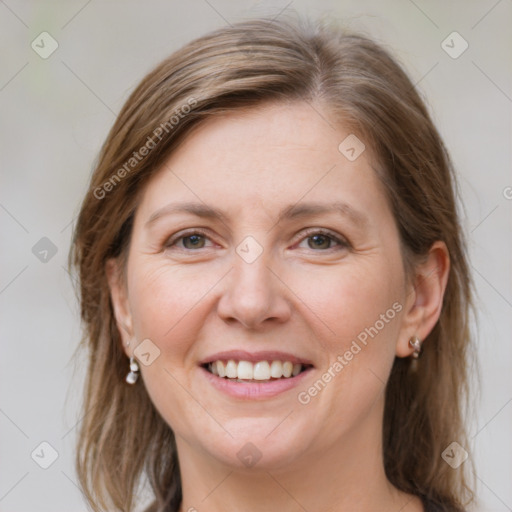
column 254, row 295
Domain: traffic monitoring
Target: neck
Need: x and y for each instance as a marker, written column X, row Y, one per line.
column 346, row 477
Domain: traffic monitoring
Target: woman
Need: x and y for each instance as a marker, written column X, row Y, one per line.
column 270, row 241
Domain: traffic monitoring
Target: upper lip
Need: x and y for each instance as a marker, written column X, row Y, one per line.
column 265, row 355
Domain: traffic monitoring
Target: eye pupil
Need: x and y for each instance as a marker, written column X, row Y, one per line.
column 315, row 241
column 320, row 241
column 195, row 241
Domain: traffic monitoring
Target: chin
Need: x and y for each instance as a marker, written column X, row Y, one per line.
column 259, row 445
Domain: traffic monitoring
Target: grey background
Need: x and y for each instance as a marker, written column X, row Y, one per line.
column 54, row 115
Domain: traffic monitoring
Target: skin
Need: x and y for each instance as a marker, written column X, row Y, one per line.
column 303, row 295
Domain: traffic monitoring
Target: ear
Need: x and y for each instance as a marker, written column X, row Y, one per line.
column 424, row 298
column 120, row 304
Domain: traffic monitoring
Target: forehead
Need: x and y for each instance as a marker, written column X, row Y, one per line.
column 264, row 158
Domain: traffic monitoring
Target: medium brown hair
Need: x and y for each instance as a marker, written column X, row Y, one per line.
column 122, row 436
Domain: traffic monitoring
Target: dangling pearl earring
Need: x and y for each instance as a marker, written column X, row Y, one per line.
column 132, row 377
column 415, row 343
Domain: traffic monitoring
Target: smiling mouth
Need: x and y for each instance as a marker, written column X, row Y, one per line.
column 260, row 371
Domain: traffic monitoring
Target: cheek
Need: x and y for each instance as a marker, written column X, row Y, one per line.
column 166, row 302
column 169, row 307
column 353, row 302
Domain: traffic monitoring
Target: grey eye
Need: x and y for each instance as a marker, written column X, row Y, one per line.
column 319, row 241
column 194, row 241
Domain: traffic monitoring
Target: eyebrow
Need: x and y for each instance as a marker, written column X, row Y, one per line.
column 292, row 211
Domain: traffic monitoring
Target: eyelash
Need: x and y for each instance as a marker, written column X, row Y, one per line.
column 342, row 243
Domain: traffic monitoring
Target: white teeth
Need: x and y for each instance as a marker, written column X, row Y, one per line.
column 245, row 370
column 231, row 369
column 221, row 371
column 287, row 369
column 261, row 370
column 276, row 369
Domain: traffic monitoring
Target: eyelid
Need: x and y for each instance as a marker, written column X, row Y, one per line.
column 308, row 232
column 170, row 241
column 305, row 233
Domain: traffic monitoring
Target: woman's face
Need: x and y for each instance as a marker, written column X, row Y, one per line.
column 262, row 240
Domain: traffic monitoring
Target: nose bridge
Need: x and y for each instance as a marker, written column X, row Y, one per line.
column 253, row 294
column 251, row 272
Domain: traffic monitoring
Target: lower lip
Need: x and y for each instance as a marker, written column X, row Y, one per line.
column 254, row 390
